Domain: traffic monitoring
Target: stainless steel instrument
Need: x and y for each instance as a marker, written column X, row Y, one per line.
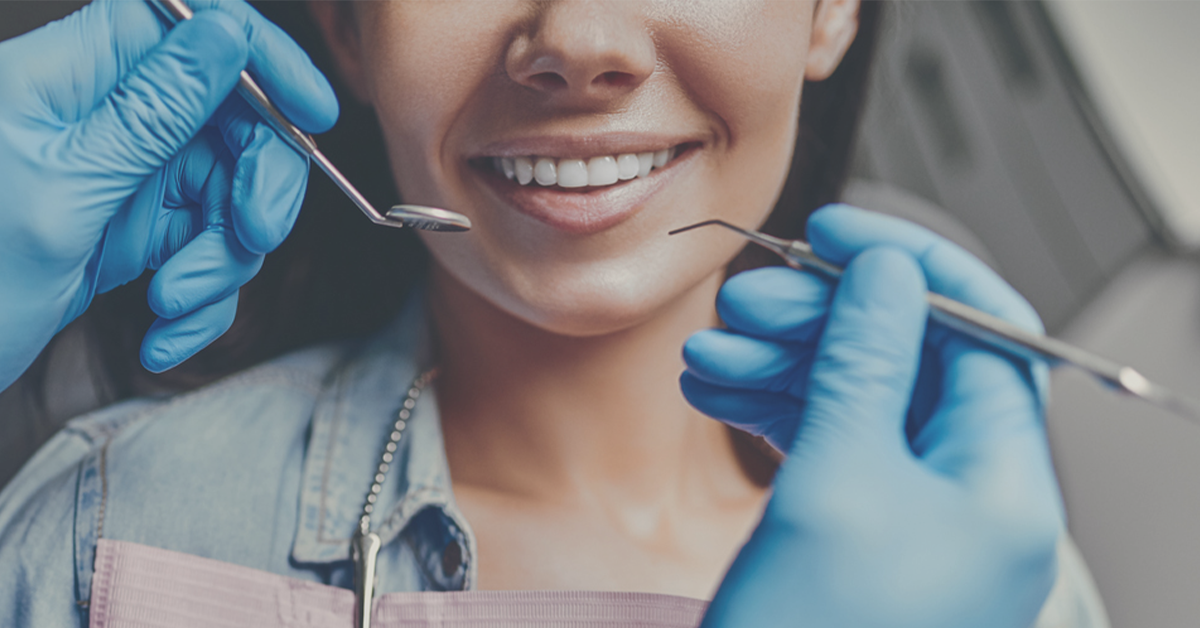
column 992, row 330
column 414, row 216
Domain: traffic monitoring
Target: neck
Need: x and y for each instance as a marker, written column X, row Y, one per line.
column 551, row 417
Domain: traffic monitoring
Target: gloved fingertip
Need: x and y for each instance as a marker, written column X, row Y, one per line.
column 159, row 300
column 268, row 189
column 168, row 297
column 831, row 213
column 169, row 342
column 881, row 302
column 731, row 359
column 689, row 384
column 825, row 231
column 287, row 73
column 772, row 416
column 885, row 277
column 325, row 109
column 821, row 218
column 702, row 395
column 157, row 354
column 701, row 347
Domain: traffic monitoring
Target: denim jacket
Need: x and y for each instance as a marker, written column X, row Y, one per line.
column 269, row 469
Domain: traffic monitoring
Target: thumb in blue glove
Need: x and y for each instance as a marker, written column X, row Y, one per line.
column 918, row 489
column 107, row 171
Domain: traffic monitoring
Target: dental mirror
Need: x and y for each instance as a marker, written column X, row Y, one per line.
column 428, row 218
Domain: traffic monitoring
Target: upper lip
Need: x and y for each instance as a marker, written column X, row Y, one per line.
column 574, row 146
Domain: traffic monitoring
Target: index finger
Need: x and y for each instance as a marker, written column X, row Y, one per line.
column 282, row 68
column 106, row 39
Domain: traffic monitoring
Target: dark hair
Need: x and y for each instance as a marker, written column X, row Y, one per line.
column 339, row 276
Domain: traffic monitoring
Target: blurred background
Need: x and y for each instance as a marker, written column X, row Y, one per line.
column 1057, row 141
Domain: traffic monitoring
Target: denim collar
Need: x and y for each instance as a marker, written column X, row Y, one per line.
column 352, row 418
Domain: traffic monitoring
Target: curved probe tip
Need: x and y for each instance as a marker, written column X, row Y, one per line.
column 700, row 224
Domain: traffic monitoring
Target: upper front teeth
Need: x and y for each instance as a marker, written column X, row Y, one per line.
column 577, row 173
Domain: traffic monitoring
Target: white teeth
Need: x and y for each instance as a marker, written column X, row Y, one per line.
column 576, row 173
column 545, row 171
column 572, row 173
column 645, row 163
column 524, row 169
column 602, row 170
column 627, row 166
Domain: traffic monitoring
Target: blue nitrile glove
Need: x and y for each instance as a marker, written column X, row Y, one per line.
column 917, row 489
column 122, row 149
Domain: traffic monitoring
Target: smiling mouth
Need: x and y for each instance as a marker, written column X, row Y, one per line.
column 583, row 173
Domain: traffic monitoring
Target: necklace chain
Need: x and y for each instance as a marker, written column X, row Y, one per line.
column 364, row 547
column 393, row 443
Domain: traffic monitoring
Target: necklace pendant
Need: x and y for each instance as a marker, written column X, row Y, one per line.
column 365, row 549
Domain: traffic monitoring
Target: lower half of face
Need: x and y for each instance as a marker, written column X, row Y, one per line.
column 572, row 196
column 598, row 259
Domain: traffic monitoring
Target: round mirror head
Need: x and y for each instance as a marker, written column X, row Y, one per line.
column 429, row 218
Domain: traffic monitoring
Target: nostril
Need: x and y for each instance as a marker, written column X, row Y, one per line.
column 548, row 81
column 614, row 79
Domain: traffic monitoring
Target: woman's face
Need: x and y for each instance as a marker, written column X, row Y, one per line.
column 548, row 123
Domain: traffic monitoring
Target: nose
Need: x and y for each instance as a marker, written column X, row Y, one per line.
column 583, row 52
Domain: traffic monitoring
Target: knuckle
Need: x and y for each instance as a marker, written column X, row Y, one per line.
column 161, row 119
column 126, row 135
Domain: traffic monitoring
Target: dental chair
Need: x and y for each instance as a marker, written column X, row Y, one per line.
column 980, row 126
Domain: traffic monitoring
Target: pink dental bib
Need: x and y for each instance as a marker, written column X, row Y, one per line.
column 146, row 587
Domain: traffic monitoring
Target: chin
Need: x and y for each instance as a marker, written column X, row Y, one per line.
column 577, row 300
column 588, row 318
column 597, row 305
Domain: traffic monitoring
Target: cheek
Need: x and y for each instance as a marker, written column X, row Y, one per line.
column 744, row 61
column 425, row 62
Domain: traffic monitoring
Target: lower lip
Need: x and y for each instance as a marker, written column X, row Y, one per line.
column 589, row 210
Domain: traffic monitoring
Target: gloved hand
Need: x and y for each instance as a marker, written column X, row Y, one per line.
column 122, row 149
column 917, row 489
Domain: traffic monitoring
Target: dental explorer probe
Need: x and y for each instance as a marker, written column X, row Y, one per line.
column 414, row 216
column 990, row 329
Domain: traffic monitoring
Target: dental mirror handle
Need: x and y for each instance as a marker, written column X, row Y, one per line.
column 298, row 139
